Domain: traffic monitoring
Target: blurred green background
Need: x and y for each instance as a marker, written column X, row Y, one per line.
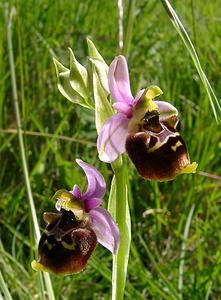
column 57, row 132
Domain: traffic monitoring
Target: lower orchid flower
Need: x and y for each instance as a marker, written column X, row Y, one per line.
column 144, row 128
column 72, row 233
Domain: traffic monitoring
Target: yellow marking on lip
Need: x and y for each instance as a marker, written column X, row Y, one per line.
column 69, row 246
column 177, row 145
column 50, row 246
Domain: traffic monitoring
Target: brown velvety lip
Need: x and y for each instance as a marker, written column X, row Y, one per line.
column 164, row 163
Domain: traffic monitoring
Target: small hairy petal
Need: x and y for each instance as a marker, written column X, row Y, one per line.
column 105, row 228
column 119, row 82
column 112, row 137
column 168, row 113
column 96, row 183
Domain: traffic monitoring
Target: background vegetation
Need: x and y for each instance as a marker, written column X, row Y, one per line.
column 176, row 227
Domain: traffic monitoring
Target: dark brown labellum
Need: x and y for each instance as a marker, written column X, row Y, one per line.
column 161, row 163
column 66, row 244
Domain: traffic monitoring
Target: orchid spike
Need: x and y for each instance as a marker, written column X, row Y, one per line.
column 143, row 127
column 71, row 234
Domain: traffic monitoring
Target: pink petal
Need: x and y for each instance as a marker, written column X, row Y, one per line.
column 112, row 137
column 138, row 96
column 96, row 183
column 106, row 229
column 119, row 82
column 123, row 108
column 92, row 203
column 76, row 192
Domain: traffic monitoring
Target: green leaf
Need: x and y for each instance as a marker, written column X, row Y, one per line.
column 103, row 108
column 100, row 65
column 93, row 52
column 65, row 87
column 102, row 71
column 112, row 199
column 78, row 76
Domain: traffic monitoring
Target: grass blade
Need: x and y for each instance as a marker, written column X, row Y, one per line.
column 215, row 104
column 4, row 288
column 129, row 27
column 183, row 250
column 168, row 284
column 21, row 145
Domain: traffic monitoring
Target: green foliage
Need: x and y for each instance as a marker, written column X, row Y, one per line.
column 56, row 132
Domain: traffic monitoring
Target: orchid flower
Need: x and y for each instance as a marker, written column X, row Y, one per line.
column 143, row 127
column 71, row 234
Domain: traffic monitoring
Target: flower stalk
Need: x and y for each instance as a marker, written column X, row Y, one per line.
column 122, row 218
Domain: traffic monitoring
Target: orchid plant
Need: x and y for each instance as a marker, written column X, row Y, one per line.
column 143, row 127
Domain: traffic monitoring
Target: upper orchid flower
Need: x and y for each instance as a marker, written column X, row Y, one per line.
column 145, row 128
column 71, row 235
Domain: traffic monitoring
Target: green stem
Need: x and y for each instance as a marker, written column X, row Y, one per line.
column 121, row 207
column 22, row 147
column 120, row 260
column 129, row 28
